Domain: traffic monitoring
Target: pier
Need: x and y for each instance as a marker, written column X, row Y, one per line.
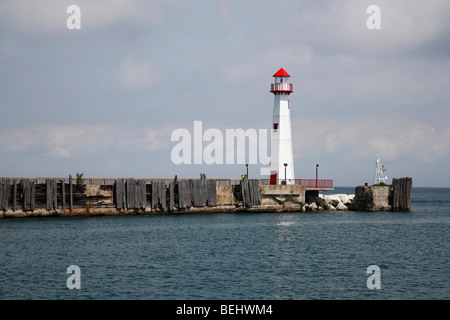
column 28, row 197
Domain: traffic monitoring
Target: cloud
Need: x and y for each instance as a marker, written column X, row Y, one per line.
column 405, row 24
column 82, row 140
column 49, row 16
column 363, row 139
column 267, row 62
column 137, row 75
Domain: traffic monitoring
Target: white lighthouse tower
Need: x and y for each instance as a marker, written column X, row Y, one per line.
column 281, row 159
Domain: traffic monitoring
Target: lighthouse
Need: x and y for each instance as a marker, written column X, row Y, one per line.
column 281, row 158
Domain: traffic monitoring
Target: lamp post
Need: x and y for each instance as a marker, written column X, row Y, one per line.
column 247, row 169
column 317, row 173
column 285, row 166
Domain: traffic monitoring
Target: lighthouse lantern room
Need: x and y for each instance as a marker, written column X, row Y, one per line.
column 281, row 160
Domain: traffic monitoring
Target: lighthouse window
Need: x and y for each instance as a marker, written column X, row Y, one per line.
column 275, row 127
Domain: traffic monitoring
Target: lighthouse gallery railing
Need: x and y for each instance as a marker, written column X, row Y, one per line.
column 284, row 86
column 308, row 183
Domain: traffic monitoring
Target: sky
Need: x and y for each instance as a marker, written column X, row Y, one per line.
column 104, row 99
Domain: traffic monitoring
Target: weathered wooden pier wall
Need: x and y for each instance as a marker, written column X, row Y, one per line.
column 51, row 196
column 401, row 194
column 28, row 197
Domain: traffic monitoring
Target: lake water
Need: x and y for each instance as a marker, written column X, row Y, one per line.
column 318, row 255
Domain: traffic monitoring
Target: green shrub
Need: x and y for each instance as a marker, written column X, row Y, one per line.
column 381, row 184
column 79, row 183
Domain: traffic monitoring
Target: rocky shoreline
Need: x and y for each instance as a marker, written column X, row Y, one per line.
column 329, row 202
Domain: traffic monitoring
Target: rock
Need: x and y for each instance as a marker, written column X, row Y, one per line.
column 334, row 202
column 321, row 202
column 343, row 198
column 334, row 199
column 330, row 207
column 312, row 207
column 341, row 206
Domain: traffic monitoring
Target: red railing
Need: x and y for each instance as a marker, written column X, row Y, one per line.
column 308, row 183
column 277, row 87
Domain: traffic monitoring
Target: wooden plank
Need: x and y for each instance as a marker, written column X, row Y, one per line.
column 154, row 204
column 189, row 193
column 8, row 185
column 171, row 196
column 123, row 194
column 118, row 189
column 197, row 193
column 32, row 195
column 63, row 194
column 14, row 195
column 406, row 193
column 401, row 194
column 48, row 191
column 116, row 194
column 184, row 194
column 204, row 186
column 196, row 201
column 254, row 192
column 244, row 191
column 28, row 190
column 250, row 191
column 24, row 193
column 144, row 194
column 212, row 193
column 401, row 189
column 3, row 195
column 394, row 194
column 181, row 194
column 252, row 197
column 24, row 186
column 70, row 193
column 130, row 188
column 409, row 193
column 163, row 195
column 50, row 194
column 141, row 194
column 55, row 194
column 203, row 190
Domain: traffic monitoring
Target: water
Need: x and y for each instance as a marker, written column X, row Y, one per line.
column 319, row 255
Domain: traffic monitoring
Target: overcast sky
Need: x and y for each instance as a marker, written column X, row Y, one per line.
column 105, row 99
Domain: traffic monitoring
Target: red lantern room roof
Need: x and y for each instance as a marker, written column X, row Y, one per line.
column 281, row 73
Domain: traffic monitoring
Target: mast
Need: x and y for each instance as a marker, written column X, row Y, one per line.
column 380, row 172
